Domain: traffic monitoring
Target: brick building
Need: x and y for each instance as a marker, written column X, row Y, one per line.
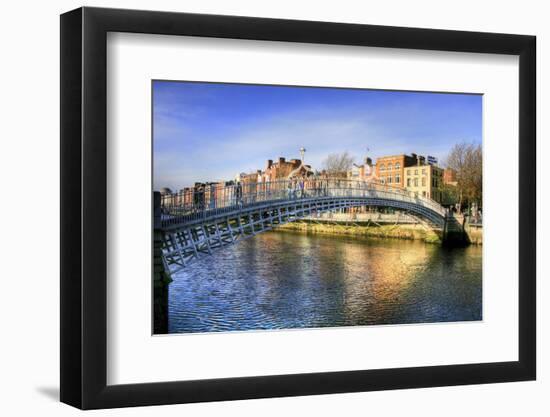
column 390, row 170
column 283, row 169
column 449, row 176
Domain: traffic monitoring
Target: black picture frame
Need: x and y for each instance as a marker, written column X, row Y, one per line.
column 84, row 207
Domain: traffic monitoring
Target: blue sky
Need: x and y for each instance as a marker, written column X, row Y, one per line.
column 210, row 131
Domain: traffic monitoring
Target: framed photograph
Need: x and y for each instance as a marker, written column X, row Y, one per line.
column 257, row 208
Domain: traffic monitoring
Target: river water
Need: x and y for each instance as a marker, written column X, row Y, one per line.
column 283, row 280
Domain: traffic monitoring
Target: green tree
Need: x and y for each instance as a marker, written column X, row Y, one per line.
column 449, row 194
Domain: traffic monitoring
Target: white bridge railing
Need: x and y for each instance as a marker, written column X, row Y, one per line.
column 203, row 201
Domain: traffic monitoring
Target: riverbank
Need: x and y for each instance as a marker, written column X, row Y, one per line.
column 475, row 234
column 392, row 231
column 399, row 231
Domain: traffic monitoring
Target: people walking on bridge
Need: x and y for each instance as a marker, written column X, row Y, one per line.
column 289, row 189
column 239, row 193
column 296, row 187
column 198, row 197
column 212, row 197
column 252, row 192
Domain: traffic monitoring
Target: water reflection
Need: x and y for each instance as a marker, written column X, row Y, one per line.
column 285, row 280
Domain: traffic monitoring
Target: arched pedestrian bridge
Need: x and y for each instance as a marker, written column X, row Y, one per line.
column 195, row 222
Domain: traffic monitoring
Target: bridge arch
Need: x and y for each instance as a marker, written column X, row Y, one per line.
column 189, row 227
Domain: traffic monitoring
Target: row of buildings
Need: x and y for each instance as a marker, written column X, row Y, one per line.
column 412, row 172
column 280, row 170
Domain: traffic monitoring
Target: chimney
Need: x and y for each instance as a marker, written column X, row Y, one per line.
column 281, row 160
column 421, row 160
column 269, row 163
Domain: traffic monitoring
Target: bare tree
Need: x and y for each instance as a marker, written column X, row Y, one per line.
column 466, row 160
column 338, row 164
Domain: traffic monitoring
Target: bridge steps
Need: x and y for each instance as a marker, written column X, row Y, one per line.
column 453, row 231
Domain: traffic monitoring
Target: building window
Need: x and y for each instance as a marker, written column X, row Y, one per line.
column 423, row 193
column 408, row 172
column 423, row 172
column 398, row 179
column 423, row 181
column 408, row 182
column 415, row 172
column 390, row 179
column 416, row 182
column 397, row 165
column 382, row 167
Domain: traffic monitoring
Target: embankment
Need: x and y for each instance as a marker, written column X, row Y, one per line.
column 475, row 234
column 398, row 231
column 408, row 231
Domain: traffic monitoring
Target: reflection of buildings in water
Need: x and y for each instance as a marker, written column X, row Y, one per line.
column 382, row 274
column 294, row 280
column 277, row 268
column 352, row 279
column 304, row 280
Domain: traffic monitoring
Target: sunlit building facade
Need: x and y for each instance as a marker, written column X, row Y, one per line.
column 425, row 181
column 390, row 170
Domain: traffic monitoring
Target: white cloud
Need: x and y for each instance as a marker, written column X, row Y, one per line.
column 246, row 147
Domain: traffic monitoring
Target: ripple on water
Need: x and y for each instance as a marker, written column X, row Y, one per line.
column 285, row 280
